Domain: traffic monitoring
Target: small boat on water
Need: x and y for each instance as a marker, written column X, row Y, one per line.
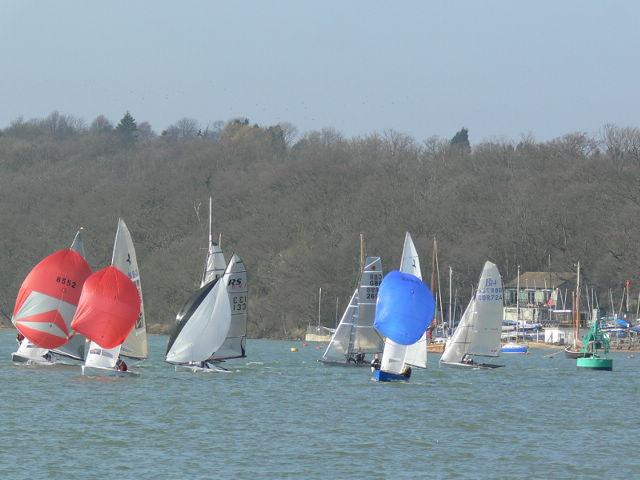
column 355, row 336
column 111, row 312
column 45, row 306
column 404, row 310
column 514, row 347
column 478, row 332
column 576, row 351
column 211, row 326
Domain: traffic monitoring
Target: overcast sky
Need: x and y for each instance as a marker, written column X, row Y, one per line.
column 500, row 68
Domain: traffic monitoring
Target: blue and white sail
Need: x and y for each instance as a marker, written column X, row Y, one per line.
column 404, row 311
column 416, row 354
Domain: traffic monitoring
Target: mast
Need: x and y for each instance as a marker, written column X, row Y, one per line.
column 517, row 303
column 450, row 287
column 337, row 302
column 319, row 303
column 361, row 253
column 577, row 304
column 210, row 207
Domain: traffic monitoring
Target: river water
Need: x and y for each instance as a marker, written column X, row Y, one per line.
column 280, row 414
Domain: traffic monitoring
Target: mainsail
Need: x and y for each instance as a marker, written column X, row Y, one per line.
column 124, row 259
column 416, row 354
column 215, row 264
column 236, row 287
column 48, row 298
column 355, row 333
column 75, row 347
column 478, row 332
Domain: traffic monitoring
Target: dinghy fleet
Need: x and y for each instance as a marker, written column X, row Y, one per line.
column 405, row 308
column 66, row 313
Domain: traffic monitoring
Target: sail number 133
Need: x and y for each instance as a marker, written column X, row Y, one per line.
column 239, row 304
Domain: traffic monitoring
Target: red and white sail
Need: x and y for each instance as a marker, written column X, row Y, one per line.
column 108, row 308
column 48, row 298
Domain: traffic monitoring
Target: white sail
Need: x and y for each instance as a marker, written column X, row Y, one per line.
column 410, row 262
column 340, row 345
column 102, row 357
column 416, row 354
column 75, row 347
column 124, row 258
column 366, row 338
column 393, row 357
column 235, row 280
column 215, row 264
column 206, row 329
column 478, row 332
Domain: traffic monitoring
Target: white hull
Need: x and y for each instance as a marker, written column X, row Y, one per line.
column 471, row 365
column 106, row 372
column 26, row 360
column 198, row 369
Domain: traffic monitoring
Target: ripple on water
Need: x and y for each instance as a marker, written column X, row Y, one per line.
column 282, row 415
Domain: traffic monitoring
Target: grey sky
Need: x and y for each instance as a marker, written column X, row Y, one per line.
column 500, row 68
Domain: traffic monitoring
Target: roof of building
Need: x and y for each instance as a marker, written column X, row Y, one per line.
column 541, row 280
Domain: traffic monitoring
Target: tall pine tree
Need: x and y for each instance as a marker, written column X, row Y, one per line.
column 127, row 127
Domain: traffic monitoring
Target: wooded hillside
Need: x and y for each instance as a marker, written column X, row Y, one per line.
column 293, row 207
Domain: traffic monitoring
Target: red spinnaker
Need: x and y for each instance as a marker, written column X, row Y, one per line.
column 49, row 296
column 108, row 309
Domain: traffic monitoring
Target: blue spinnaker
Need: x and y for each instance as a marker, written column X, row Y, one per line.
column 404, row 309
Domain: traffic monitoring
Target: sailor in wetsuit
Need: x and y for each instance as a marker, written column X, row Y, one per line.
column 121, row 366
column 375, row 363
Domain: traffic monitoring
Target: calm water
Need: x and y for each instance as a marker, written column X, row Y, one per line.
column 281, row 414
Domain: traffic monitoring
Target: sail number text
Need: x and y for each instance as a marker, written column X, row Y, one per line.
column 375, row 279
column 489, row 293
column 66, row 281
column 239, row 304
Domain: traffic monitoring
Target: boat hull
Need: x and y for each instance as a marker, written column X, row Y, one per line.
column 569, row 353
column 435, row 347
column 514, row 349
column 26, row 360
column 345, row 364
column 198, row 369
column 382, row 376
column 106, row 372
column 486, row 366
column 595, row 363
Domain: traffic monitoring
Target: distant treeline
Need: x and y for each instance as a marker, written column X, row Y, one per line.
column 293, row 206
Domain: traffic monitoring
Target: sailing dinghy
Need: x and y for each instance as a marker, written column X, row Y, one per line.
column 415, row 355
column 404, row 310
column 46, row 303
column 111, row 313
column 355, row 336
column 479, row 330
column 212, row 325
